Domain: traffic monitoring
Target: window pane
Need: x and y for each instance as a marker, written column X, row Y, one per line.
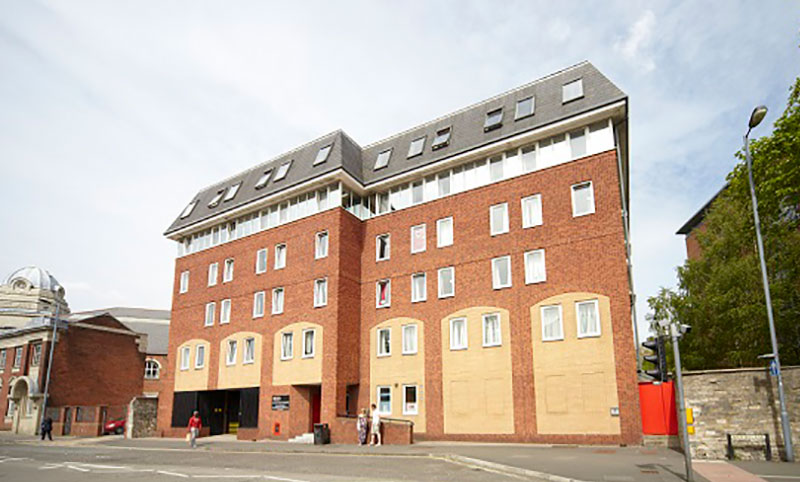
column 496, row 168
column 418, row 238
column 501, row 272
column 444, row 232
column 491, row 330
column 385, row 400
column 494, row 119
column 384, row 342
column 442, row 138
column 572, row 90
column 577, row 143
column 582, row 199
column 551, row 323
column 286, row 345
column 588, row 319
column 416, row 147
column 534, row 266
column 446, row 284
column 418, row 288
column 458, row 333
column 444, row 184
column 532, row 211
column 308, row 343
column 499, row 219
column 410, row 339
column 322, row 154
column 383, row 159
column 524, row 108
column 416, row 192
column 282, row 171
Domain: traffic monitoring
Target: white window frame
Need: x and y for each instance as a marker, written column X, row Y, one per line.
column 259, row 268
column 186, row 355
column 528, row 259
column 17, row 358
column 199, row 362
column 247, row 360
column 518, row 115
column 148, row 371
column 184, row 282
column 227, row 275
column 213, row 306
column 439, row 279
column 591, row 210
column 379, row 352
column 499, row 341
column 388, row 293
column 496, row 273
column 321, row 240
column 560, row 321
column 263, row 296
column 588, row 334
column 213, row 274
column 225, row 313
column 527, row 222
column 424, row 238
column 405, row 329
column 290, row 335
column 378, row 247
column 378, row 399
column 277, row 310
column 280, row 261
column 453, row 346
column 313, row 343
column 231, row 352
column 416, row 404
column 504, row 229
column 319, row 303
column 578, row 95
column 424, row 295
column 439, row 223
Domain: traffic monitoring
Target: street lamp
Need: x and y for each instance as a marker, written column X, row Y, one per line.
column 755, row 118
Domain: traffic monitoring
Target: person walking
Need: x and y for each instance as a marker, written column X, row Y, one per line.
column 47, row 428
column 362, row 425
column 195, row 424
column 376, row 427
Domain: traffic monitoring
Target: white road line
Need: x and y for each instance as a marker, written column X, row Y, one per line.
column 12, row 459
column 81, row 469
column 174, row 474
column 51, row 466
column 98, row 466
column 779, row 476
column 270, row 477
column 225, row 476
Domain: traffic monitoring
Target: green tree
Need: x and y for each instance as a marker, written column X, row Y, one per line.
column 721, row 295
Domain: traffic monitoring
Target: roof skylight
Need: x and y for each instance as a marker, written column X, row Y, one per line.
column 383, row 159
column 416, row 147
column 215, row 200
column 494, row 119
column 282, row 171
column 262, row 181
column 232, row 191
column 188, row 209
column 322, row 154
column 442, row 138
column 524, row 108
column 572, row 90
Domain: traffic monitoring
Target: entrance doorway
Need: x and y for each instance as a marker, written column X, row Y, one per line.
column 316, row 406
column 222, row 407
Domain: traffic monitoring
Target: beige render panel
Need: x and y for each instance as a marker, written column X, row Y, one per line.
column 476, row 382
column 194, row 378
column 239, row 375
column 398, row 369
column 297, row 370
column 575, row 378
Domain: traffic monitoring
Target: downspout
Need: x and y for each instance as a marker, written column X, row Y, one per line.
column 626, row 232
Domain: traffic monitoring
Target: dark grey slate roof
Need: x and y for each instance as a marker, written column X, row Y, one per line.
column 153, row 323
column 467, row 134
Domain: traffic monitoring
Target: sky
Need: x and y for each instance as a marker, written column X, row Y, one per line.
column 113, row 114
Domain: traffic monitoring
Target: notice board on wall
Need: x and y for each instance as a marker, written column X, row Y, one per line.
column 280, row 402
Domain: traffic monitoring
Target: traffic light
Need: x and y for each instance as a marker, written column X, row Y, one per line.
column 658, row 359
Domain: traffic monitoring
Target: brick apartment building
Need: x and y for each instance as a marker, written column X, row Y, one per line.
column 468, row 275
column 694, row 225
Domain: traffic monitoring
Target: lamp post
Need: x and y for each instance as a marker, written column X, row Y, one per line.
column 49, row 365
column 755, row 118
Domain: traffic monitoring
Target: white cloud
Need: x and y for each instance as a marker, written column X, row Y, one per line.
column 635, row 46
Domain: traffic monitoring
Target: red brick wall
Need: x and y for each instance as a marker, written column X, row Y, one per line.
column 693, row 250
column 159, row 385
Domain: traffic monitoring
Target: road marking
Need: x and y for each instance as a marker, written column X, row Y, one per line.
column 51, row 466
column 225, row 476
column 780, row 476
column 174, row 474
column 12, row 459
column 270, row 477
column 81, row 469
column 97, row 466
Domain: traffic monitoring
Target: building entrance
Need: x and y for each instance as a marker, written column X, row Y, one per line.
column 221, row 408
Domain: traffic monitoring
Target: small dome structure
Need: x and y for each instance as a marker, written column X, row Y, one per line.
column 33, row 277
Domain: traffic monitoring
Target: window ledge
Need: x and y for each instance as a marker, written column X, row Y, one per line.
column 553, row 339
column 287, row 358
column 462, row 348
column 411, row 353
column 493, row 345
column 590, row 335
column 534, row 282
column 307, row 356
column 498, row 288
column 420, row 301
column 250, row 362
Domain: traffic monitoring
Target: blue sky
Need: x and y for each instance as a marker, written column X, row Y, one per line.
column 113, row 114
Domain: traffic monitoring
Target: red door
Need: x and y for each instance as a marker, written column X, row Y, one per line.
column 316, row 403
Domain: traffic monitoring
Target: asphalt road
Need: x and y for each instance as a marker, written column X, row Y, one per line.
column 36, row 462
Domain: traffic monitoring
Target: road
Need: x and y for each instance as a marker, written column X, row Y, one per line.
column 36, row 462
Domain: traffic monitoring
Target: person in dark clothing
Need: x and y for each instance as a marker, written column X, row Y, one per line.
column 47, row 428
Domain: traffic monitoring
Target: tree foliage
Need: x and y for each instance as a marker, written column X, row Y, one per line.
column 721, row 294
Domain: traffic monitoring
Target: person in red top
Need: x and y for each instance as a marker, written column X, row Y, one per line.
column 195, row 424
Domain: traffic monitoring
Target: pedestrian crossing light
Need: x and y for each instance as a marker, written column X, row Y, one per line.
column 658, row 358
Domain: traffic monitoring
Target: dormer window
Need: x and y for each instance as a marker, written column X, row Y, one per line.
column 442, row 138
column 572, row 90
column 262, row 181
column 322, row 154
column 525, row 108
column 494, row 119
column 383, row 159
column 282, row 171
column 188, row 209
column 232, row 191
column 416, row 147
column 215, row 200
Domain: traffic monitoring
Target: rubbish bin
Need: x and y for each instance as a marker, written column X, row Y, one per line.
column 322, row 434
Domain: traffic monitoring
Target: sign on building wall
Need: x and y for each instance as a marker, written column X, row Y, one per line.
column 280, row 402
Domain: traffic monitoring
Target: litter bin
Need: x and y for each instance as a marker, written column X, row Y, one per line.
column 322, row 434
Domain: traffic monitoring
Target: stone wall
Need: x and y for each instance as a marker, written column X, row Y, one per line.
column 741, row 401
column 142, row 413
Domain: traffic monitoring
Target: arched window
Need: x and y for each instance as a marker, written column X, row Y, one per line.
column 151, row 369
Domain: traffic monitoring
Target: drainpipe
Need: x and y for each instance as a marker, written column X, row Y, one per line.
column 626, row 232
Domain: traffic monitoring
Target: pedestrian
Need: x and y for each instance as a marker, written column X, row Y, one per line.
column 195, row 424
column 376, row 427
column 362, row 425
column 47, row 428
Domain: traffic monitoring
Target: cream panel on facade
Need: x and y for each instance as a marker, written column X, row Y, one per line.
column 476, row 382
column 193, row 378
column 239, row 374
column 575, row 378
column 297, row 370
column 398, row 369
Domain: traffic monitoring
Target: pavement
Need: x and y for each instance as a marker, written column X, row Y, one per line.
column 224, row 457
